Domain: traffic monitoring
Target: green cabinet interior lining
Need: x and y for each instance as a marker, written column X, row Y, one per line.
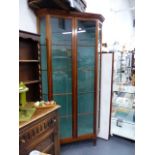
column 61, row 44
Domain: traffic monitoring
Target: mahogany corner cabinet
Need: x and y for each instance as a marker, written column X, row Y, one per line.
column 70, row 64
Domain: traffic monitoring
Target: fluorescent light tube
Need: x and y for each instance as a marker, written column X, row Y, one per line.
column 82, row 31
column 66, row 32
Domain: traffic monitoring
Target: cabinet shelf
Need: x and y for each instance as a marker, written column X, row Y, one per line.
column 86, row 69
column 123, row 91
column 62, row 57
column 69, row 70
column 60, row 94
column 32, row 82
column 122, row 107
column 79, row 45
column 54, row 44
column 85, row 45
column 28, row 60
column 86, row 92
column 123, row 120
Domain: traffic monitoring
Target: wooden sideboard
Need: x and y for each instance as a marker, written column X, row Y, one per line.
column 40, row 133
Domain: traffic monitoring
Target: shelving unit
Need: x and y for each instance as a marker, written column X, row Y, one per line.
column 123, row 101
column 29, row 64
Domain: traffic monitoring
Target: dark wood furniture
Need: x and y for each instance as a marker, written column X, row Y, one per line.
column 78, row 5
column 70, row 47
column 29, row 64
column 40, row 133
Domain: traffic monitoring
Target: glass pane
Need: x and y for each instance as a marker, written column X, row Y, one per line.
column 62, row 81
column 44, row 82
column 62, row 71
column 86, row 62
column 86, row 57
column 65, row 127
column 85, row 113
column 65, row 101
column 85, row 80
column 85, row 124
column 61, row 31
column 42, row 31
column 43, row 58
column 86, row 102
column 45, row 97
column 86, row 33
column 61, row 57
column 62, row 38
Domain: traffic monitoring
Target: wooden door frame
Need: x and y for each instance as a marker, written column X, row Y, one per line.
column 100, row 61
column 74, row 80
column 112, row 77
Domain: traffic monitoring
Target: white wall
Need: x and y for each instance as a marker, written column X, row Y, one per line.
column 27, row 19
column 118, row 24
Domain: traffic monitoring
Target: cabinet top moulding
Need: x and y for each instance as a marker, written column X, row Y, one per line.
column 43, row 12
column 28, row 60
column 29, row 35
column 57, row 4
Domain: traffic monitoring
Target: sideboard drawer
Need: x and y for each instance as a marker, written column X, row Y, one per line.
column 40, row 135
column 38, row 127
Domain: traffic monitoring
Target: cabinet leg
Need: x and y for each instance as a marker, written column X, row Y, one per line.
column 94, row 142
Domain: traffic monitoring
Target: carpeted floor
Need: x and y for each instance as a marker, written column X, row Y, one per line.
column 115, row 146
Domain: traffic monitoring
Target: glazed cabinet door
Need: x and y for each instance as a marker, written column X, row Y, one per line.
column 61, row 57
column 86, row 50
column 71, row 78
column 56, row 67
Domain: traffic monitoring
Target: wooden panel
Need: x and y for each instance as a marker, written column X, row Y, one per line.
column 49, row 58
column 74, row 77
column 28, row 72
column 28, row 50
column 80, row 138
column 46, row 145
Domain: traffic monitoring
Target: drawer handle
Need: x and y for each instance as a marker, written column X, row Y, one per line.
column 54, row 120
column 23, row 141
